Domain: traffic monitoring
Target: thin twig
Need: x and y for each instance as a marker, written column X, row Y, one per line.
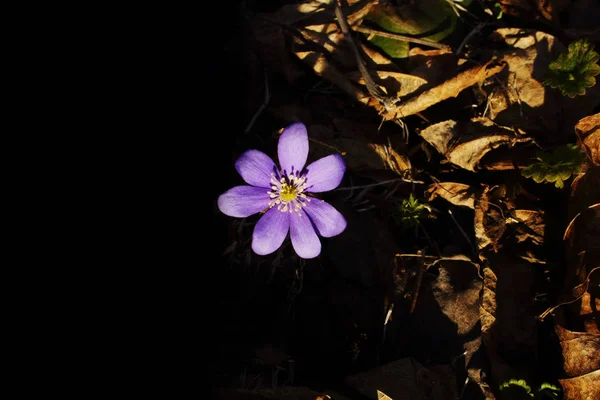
column 461, row 230
column 417, row 285
column 389, row 102
column 376, row 184
column 551, row 309
column 469, row 36
column 404, row 38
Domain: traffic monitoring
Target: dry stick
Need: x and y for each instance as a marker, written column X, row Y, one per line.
column 376, row 184
column 469, row 36
column 388, row 102
column 462, row 231
column 417, row 284
column 403, row 38
column 551, row 309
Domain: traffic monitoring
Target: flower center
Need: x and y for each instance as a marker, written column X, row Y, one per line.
column 287, row 193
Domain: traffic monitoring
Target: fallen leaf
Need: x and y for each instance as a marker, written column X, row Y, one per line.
column 457, row 292
column 489, row 222
column 530, row 225
column 585, row 387
column 518, row 98
column 455, row 193
column 427, row 19
column 587, row 313
column 450, row 88
column 588, row 131
column 580, row 350
column 465, row 143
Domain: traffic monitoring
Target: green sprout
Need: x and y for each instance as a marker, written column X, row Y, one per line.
column 498, row 9
column 517, row 389
column 547, row 391
column 574, row 70
column 557, row 166
column 410, row 211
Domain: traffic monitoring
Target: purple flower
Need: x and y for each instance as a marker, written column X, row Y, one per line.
column 285, row 194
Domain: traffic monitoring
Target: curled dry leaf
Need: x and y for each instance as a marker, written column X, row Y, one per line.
column 455, row 193
column 450, row 88
column 489, row 222
column 588, row 132
column 465, row 143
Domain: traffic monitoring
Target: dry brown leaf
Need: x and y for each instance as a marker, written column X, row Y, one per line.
column 587, row 313
column 457, row 292
column 588, row 131
column 585, row 387
column 488, row 221
column 518, row 97
column 407, row 83
column 458, row 194
column 530, row 225
column 450, row 88
column 465, row 143
column 580, row 350
column 522, row 100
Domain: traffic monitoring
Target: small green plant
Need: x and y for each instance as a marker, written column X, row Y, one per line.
column 498, row 10
column 557, row 166
column 410, row 211
column 518, row 389
column 574, row 70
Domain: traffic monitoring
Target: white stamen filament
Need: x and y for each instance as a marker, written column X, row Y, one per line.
column 287, row 193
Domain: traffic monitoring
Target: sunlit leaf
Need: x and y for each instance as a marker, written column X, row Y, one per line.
column 574, row 70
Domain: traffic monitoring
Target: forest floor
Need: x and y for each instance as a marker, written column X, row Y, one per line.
column 485, row 287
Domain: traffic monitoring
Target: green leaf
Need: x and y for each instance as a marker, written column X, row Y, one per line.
column 426, row 19
column 574, row 70
column 546, row 391
column 516, row 389
column 556, row 167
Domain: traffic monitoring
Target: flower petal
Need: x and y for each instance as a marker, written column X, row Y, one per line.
column 243, row 201
column 270, row 231
column 325, row 174
column 292, row 148
column 255, row 167
column 304, row 238
column 328, row 221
